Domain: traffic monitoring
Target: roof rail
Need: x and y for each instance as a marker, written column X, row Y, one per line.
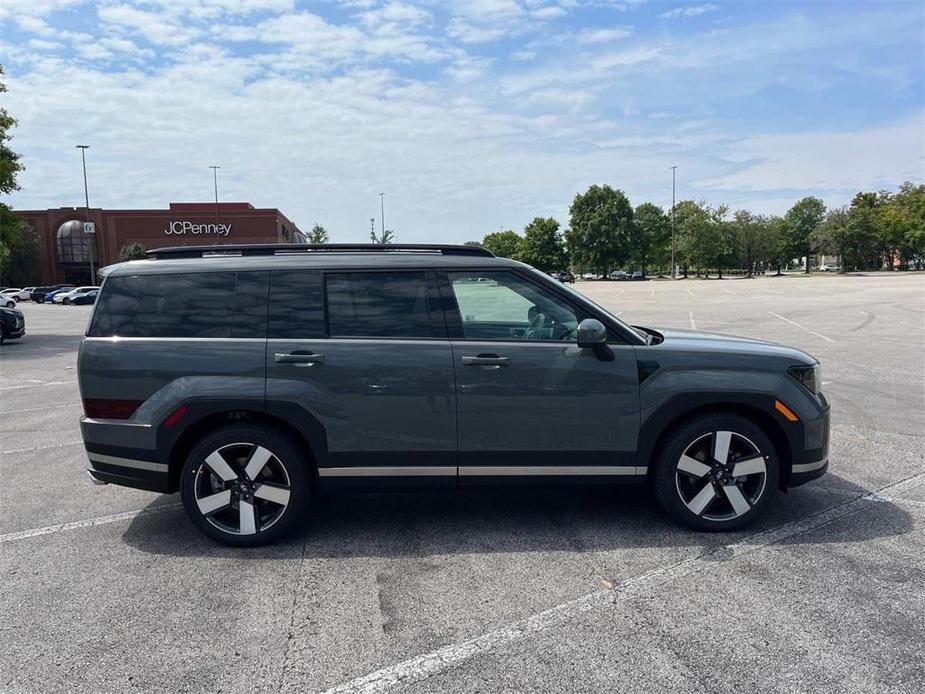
column 289, row 248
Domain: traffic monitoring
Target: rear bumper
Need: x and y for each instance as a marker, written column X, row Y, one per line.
column 123, row 453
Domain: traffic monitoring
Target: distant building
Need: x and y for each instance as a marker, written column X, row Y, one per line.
column 67, row 245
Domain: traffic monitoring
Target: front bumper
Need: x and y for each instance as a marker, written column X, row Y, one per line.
column 806, row 472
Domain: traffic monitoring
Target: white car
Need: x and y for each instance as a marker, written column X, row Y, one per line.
column 9, row 297
column 65, row 297
column 24, row 294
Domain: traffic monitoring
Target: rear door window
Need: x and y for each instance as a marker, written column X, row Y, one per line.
column 296, row 304
column 379, row 304
column 203, row 305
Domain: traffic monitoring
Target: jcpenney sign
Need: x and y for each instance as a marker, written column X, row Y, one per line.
column 183, row 228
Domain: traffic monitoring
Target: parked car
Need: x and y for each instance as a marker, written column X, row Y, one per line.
column 85, row 298
column 50, row 296
column 39, row 293
column 619, row 275
column 66, row 297
column 565, row 277
column 356, row 366
column 8, row 298
column 638, row 275
column 24, row 294
column 12, row 324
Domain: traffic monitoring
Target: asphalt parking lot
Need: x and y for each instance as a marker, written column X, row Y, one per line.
column 106, row 589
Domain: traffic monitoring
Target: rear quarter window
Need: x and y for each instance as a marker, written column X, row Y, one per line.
column 211, row 305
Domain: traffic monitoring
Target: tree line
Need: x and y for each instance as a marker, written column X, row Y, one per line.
column 606, row 233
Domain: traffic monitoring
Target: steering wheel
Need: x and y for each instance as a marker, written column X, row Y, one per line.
column 537, row 324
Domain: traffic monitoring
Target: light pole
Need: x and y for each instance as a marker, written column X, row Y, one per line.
column 215, row 182
column 673, row 170
column 382, row 213
column 92, row 246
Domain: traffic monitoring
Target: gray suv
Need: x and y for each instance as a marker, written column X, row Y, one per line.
column 247, row 377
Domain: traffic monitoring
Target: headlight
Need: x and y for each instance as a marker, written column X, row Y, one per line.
column 809, row 376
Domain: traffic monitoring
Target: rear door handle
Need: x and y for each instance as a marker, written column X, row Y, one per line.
column 486, row 360
column 298, row 358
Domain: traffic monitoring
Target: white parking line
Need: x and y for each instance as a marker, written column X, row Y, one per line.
column 693, row 322
column 43, row 448
column 442, row 659
column 910, row 325
column 688, row 291
column 87, row 523
column 729, row 291
column 802, row 327
column 653, row 290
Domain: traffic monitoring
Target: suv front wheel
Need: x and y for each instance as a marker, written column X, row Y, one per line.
column 716, row 472
column 245, row 485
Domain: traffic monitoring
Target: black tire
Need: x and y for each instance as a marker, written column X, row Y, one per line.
column 66, row 302
column 686, row 465
column 286, row 470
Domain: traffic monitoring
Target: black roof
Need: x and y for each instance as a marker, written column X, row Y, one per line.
column 287, row 248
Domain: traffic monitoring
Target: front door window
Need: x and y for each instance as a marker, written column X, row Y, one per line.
column 504, row 306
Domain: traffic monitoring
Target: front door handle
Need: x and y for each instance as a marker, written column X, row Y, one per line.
column 298, row 358
column 486, row 360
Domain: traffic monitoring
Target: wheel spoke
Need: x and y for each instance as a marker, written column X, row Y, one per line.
column 214, row 502
column 721, row 441
column 268, row 492
column 248, row 517
column 693, row 466
column 257, row 461
column 749, row 466
column 739, row 503
column 703, row 499
column 221, row 467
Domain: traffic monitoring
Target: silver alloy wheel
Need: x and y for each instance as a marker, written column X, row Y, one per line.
column 721, row 475
column 242, row 488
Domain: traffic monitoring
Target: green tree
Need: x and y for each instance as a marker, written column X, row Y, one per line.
column 21, row 268
column 10, row 167
column 861, row 243
column 317, row 235
column 801, row 221
column 503, row 244
column 542, row 245
column 601, row 231
column 652, row 236
column 832, row 236
column 387, row 236
column 902, row 224
column 132, row 251
column 755, row 241
column 695, row 242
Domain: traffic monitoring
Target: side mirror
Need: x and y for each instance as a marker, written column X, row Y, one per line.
column 591, row 333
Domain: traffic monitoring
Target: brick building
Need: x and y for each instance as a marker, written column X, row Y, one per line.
column 67, row 247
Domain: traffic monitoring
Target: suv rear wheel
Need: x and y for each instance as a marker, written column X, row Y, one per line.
column 245, row 485
column 716, row 472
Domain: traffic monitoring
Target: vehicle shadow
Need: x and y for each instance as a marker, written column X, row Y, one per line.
column 30, row 346
column 496, row 520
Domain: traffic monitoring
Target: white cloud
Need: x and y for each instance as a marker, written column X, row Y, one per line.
column 593, row 36
column 827, row 160
column 154, row 26
column 689, row 11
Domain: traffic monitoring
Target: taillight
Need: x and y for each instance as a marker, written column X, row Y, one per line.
column 110, row 409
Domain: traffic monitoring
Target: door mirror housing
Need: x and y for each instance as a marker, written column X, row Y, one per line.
column 591, row 333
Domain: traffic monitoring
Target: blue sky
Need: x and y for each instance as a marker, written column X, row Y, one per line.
column 471, row 115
